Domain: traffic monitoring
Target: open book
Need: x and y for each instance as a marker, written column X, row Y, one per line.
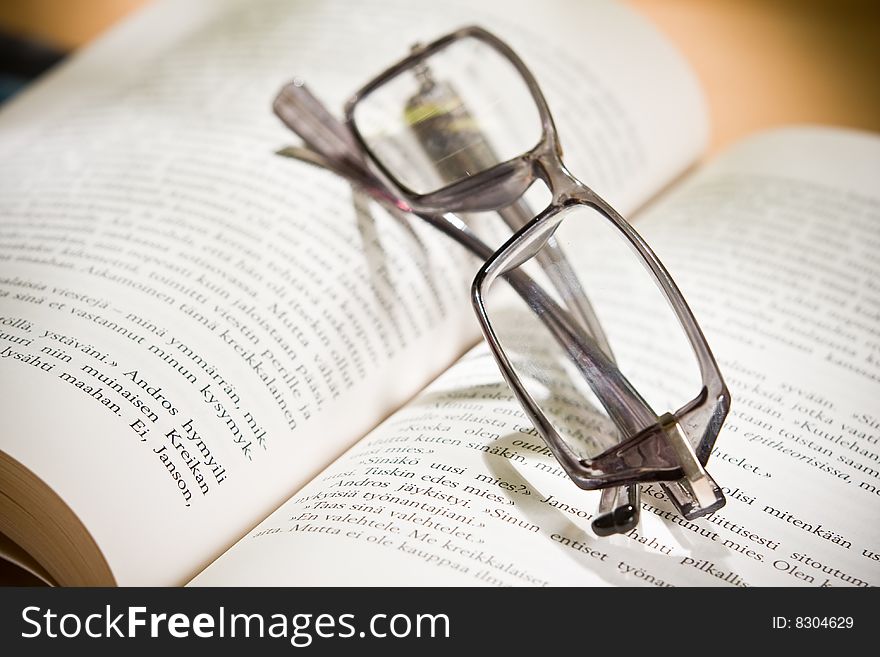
column 220, row 366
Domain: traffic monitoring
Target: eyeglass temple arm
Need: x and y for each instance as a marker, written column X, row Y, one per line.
column 560, row 273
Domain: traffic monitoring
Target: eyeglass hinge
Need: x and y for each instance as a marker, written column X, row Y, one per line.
column 696, row 494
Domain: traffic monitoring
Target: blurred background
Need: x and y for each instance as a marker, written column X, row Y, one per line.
column 761, row 62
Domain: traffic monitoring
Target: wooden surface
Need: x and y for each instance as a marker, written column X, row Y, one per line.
column 762, row 62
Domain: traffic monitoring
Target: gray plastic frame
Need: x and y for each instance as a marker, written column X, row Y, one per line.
column 648, row 453
column 673, row 448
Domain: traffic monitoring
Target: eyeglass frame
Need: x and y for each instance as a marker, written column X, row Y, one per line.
column 330, row 144
column 698, row 421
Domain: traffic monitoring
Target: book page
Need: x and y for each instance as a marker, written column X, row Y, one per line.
column 191, row 326
column 773, row 247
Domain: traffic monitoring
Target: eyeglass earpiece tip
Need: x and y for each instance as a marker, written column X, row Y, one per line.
column 618, row 521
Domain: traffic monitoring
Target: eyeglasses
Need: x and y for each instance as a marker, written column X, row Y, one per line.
column 460, row 126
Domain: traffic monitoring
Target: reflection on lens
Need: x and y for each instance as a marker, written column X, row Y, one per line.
column 447, row 131
column 599, row 275
column 456, row 113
